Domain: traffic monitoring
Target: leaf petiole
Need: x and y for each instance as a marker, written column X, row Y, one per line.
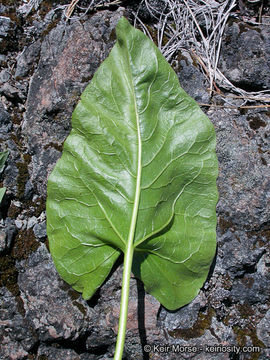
column 124, row 302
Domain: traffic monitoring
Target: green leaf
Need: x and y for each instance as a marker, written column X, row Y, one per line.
column 2, row 193
column 3, row 158
column 141, row 154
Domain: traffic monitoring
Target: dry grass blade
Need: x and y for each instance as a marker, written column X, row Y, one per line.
column 93, row 4
column 235, row 107
column 71, row 8
column 198, row 27
column 27, row 8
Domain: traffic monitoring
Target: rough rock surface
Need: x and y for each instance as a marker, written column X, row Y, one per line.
column 68, row 59
column 43, row 318
column 245, row 56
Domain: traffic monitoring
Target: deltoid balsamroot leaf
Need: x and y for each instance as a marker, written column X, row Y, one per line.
column 135, row 132
column 3, row 158
column 2, row 193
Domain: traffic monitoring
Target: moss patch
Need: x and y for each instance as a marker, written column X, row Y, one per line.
column 42, row 357
column 224, row 224
column 245, row 310
column 74, row 295
column 13, row 211
column 248, row 331
column 55, row 146
column 9, row 274
column 255, row 122
column 25, row 243
column 198, row 329
column 226, row 282
column 23, row 175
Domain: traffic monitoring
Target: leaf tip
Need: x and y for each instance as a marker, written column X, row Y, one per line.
column 122, row 28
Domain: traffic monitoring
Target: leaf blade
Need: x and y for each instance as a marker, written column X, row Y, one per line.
column 138, row 148
column 3, row 158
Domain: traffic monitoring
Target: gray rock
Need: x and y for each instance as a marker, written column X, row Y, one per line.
column 17, row 336
column 32, row 221
column 20, row 224
column 53, row 353
column 3, row 242
column 140, row 8
column 264, row 265
column 237, row 253
column 28, row 190
column 7, row 34
column 5, row 26
column 97, row 340
column 251, row 289
column 263, row 329
column 12, row 92
column 40, row 230
column 50, row 352
column 3, row 60
column 7, row 236
column 26, row 8
column 186, row 317
column 245, row 55
column 5, row 122
column 191, row 78
column 243, row 176
column 48, row 306
column 27, row 58
column 68, row 59
column 4, row 76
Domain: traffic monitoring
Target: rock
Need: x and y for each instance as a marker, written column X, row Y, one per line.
column 191, row 78
column 7, row 34
column 4, row 76
column 27, row 58
column 237, row 253
column 52, row 353
column 48, row 306
column 251, row 289
column 5, row 123
column 12, row 92
column 142, row 318
column 20, row 224
column 17, row 337
column 3, row 60
column 264, row 265
column 68, row 59
column 185, row 317
column 245, row 55
column 25, row 9
column 40, row 230
column 99, row 340
column 32, row 221
column 263, row 329
column 10, row 231
column 28, row 190
column 11, row 349
column 243, row 176
column 3, row 242
column 7, row 236
column 142, row 10
column 5, row 26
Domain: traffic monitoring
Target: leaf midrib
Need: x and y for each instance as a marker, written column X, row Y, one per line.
column 135, row 209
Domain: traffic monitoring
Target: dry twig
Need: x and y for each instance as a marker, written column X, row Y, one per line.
column 198, row 26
